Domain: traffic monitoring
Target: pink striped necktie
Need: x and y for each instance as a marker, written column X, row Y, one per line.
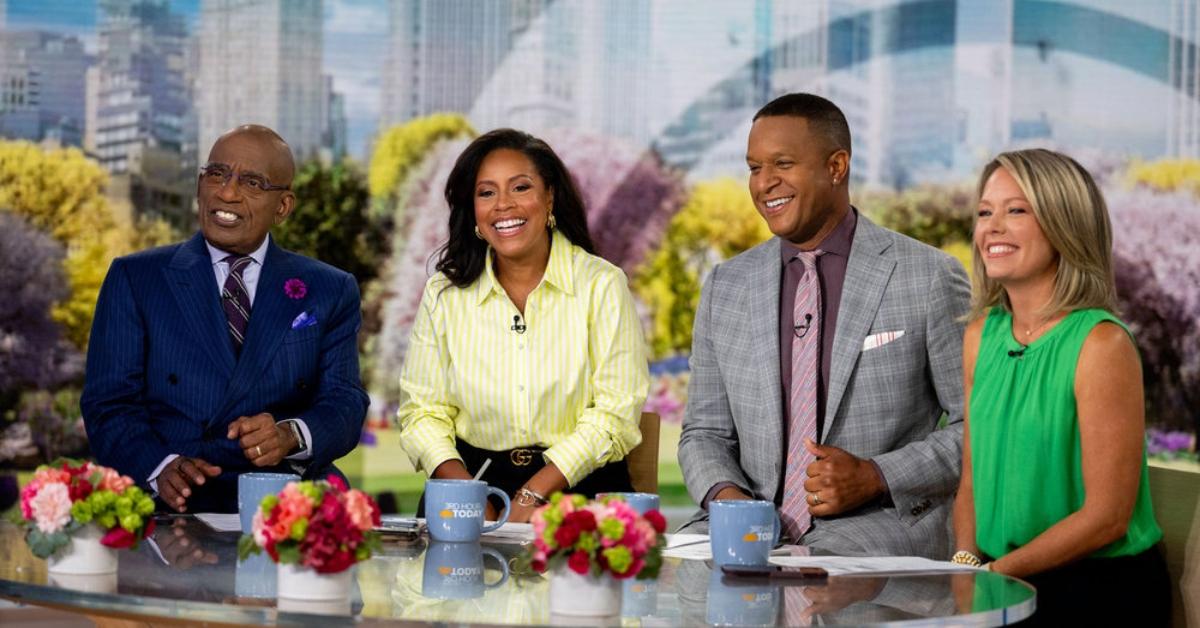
column 806, row 364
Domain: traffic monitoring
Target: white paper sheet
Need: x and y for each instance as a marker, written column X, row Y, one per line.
column 688, row 547
column 511, row 533
column 876, row 565
column 221, row 522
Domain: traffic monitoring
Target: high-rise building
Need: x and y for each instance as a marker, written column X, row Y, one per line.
column 1183, row 105
column 333, row 133
column 442, row 53
column 260, row 63
column 141, row 107
column 42, row 87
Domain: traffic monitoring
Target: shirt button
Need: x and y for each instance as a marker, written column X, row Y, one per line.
column 520, row 345
column 521, row 388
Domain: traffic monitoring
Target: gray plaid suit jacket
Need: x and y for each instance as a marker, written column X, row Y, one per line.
column 883, row 403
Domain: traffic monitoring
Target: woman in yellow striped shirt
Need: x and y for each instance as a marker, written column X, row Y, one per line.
column 526, row 349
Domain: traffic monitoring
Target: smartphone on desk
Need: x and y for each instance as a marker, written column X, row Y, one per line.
column 810, row 575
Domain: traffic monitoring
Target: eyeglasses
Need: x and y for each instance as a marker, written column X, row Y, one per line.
column 250, row 183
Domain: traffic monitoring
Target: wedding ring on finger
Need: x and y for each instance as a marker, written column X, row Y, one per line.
column 257, row 451
column 816, row 499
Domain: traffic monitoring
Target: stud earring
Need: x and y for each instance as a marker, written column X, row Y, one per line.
column 477, row 234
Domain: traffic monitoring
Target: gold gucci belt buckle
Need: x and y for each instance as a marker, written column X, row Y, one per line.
column 521, row 457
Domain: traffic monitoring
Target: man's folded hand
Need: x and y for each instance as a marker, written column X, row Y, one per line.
column 176, row 480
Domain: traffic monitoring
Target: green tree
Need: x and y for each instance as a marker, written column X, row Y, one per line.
column 61, row 192
column 330, row 221
column 717, row 222
column 937, row 215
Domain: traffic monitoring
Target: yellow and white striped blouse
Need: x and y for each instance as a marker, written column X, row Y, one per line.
column 573, row 382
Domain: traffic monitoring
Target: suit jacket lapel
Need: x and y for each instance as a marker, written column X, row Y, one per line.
column 194, row 286
column 868, row 272
column 270, row 319
column 762, row 295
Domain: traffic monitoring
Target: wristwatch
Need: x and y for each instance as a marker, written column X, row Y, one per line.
column 526, row 498
column 299, row 434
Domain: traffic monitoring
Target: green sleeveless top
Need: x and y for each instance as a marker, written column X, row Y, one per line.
column 1026, row 462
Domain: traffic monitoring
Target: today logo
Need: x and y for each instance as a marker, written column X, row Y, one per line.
column 461, row 572
column 456, row 510
column 759, row 533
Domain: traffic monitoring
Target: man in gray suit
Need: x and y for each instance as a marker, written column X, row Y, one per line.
column 836, row 332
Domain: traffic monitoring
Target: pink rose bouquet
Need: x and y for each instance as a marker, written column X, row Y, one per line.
column 66, row 495
column 597, row 537
column 323, row 525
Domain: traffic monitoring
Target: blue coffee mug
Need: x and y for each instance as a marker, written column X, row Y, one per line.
column 253, row 487
column 742, row 532
column 742, row 603
column 454, row 571
column 639, row 598
column 640, row 502
column 454, row 509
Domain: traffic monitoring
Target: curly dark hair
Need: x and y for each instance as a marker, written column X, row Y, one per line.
column 463, row 257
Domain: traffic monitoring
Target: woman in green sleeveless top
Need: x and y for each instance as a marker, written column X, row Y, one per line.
column 1054, row 485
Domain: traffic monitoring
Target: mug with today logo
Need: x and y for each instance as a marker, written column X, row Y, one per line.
column 454, row 571
column 742, row 532
column 454, row 509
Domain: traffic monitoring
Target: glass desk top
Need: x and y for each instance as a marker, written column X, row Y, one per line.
column 191, row 572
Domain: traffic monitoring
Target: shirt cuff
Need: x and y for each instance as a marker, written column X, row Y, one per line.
column 153, row 479
column 717, row 488
column 306, row 453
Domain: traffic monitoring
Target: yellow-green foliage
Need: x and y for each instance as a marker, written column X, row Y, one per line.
column 61, row 192
column 1167, row 175
column 717, row 222
column 961, row 251
column 403, row 146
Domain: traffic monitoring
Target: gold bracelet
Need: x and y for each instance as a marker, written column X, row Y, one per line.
column 963, row 557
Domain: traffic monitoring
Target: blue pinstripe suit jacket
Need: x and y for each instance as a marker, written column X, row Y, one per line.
column 162, row 377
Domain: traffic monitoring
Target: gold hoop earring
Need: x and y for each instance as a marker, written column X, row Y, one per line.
column 550, row 222
column 477, row 234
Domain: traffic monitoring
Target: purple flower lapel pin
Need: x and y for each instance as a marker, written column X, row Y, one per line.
column 295, row 288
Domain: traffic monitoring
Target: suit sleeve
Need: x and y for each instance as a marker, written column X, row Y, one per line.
column 929, row 468
column 335, row 418
column 114, row 414
column 709, row 452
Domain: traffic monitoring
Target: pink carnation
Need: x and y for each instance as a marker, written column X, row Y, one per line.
column 113, row 481
column 27, row 495
column 258, row 529
column 358, row 505
column 51, row 507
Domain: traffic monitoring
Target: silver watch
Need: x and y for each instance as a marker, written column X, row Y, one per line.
column 299, row 434
column 526, row 498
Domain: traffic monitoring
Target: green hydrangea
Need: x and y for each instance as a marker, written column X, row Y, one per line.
column 587, row 542
column 81, row 511
column 619, row 558
column 612, row 529
column 131, row 522
column 299, row 529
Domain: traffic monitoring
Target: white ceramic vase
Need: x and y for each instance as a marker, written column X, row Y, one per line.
column 84, row 555
column 302, row 583
column 575, row 595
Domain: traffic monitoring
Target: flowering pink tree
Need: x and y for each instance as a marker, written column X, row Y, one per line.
column 1156, row 239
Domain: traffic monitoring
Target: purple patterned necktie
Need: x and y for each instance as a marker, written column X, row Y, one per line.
column 235, row 299
column 806, row 364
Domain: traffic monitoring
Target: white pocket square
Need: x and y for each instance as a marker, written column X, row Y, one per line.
column 874, row 341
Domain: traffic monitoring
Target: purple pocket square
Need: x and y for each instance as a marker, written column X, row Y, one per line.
column 303, row 320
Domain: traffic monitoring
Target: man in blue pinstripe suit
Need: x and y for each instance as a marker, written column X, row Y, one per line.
column 225, row 354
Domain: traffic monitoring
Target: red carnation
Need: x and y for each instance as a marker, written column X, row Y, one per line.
column 579, row 562
column 566, row 534
column 337, row 482
column 538, row 565
column 118, row 538
column 79, row 489
column 657, row 520
column 584, row 519
column 338, row 562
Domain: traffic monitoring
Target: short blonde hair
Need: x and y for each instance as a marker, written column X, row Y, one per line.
column 1071, row 212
